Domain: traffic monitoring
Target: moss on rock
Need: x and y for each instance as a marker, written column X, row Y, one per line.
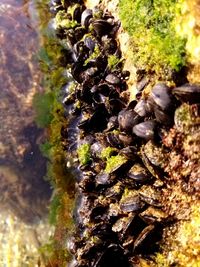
column 154, row 41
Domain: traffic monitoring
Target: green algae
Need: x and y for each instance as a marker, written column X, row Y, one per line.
column 96, row 53
column 113, row 162
column 155, row 44
column 107, row 152
column 63, row 21
column 113, row 61
column 42, row 104
column 84, row 154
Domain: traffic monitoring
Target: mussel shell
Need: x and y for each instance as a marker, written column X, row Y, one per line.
column 122, row 224
column 78, row 13
column 86, row 16
column 161, row 95
column 89, row 43
column 188, row 93
column 112, row 79
column 145, row 129
column 112, row 123
column 163, row 117
column 112, row 256
column 143, row 235
column 126, row 139
column 104, row 178
column 151, row 200
column 141, row 108
column 101, row 27
column 138, row 173
column 142, row 83
column 153, row 215
column 127, row 119
column 113, row 140
column 129, row 152
column 131, row 204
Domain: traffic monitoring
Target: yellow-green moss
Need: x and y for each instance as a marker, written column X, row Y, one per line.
column 63, row 21
column 113, row 61
column 107, row 152
column 84, row 154
column 95, row 54
column 154, row 41
column 113, row 162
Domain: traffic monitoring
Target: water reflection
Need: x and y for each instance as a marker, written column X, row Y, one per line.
column 22, row 167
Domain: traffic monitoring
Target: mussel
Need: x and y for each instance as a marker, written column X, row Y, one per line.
column 145, row 129
column 188, row 93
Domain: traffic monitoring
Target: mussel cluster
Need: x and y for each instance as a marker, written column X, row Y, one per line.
column 120, row 212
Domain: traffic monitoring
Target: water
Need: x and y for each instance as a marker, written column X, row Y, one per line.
column 24, row 195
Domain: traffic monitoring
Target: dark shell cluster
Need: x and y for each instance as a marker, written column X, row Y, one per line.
column 119, row 214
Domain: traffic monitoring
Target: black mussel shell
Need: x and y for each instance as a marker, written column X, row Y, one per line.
column 127, row 119
column 112, row 79
column 112, row 256
column 143, row 235
column 113, row 140
column 138, row 173
column 161, row 95
column 152, row 215
column 85, row 17
column 141, row 108
column 142, row 83
column 89, row 43
column 126, row 139
column 145, row 129
column 131, row 204
column 130, row 152
column 76, row 70
column 78, row 13
column 163, row 117
column 151, row 198
column 115, row 106
column 123, row 224
column 112, row 123
column 188, row 93
column 101, row 27
column 104, row 178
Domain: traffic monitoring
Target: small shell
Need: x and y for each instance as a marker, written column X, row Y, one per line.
column 123, row 223
column 150, row 196
column 141, row 108
column 161, row 95
column 85, row 17
column 188, row 93
column 127, row 119
column 145, row 129
column 138, row 173
column 152, row 215
column 101, row 27
column 163, row 117
column 104, row 178
column 112, row 79
column 132, row 203
column 143, row 235
column 129, row 152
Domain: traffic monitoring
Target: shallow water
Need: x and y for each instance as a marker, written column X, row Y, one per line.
column 24, row 195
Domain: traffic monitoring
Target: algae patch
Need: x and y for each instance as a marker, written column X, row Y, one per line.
column 84, row 154
column 154, row 41
column 113, row 162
